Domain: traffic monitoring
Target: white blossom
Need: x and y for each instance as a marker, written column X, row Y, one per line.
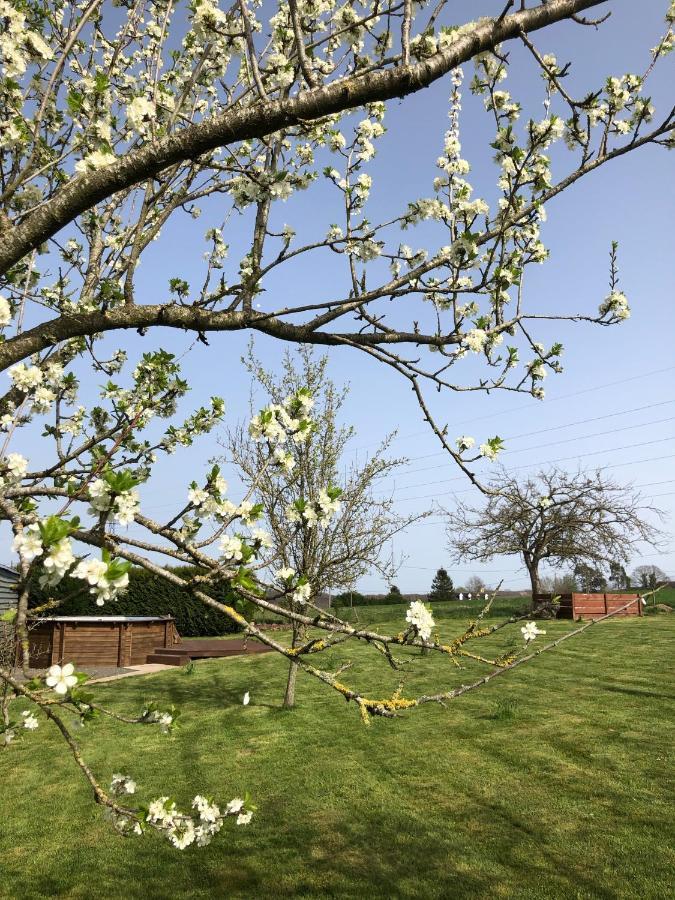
column 488, row 451
column 99, row 495
column 96, row 160
column 197, row 496
column 234, row 806
column 61, row 678
column 25, row 378
column 140, row 114
column 16, row 467
column 420, row 616
column 616, row 304
column 28, row 543
column 57, row 562
column 530, row 631
column 264, row 537
column 122, row 784
column 231, row 547
column 302, row 593
column 475, row 339
column 5, row 311
column 126, row 506
column 30, row 721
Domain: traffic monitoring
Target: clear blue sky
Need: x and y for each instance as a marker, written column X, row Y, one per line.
column 610, row 374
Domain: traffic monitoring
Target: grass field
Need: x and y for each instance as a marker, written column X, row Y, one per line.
column 553, row 781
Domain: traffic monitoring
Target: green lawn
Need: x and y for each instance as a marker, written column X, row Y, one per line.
column 569, row 796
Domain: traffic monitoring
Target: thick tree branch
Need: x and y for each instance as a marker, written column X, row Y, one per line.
column 266, row 117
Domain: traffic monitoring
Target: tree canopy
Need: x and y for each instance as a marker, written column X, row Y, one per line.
column 580, row 519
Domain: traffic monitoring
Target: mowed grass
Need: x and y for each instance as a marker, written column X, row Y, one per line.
column 555, row 780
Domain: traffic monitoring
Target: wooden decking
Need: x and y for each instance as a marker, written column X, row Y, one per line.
column 208, row 648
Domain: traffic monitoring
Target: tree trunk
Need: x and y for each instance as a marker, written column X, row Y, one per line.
column 289, row 696
column 533, row 570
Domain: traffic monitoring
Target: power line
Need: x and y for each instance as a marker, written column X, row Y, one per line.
column 470, row 490
column 621, row 412
column 581, row 437
column 513, row 409
column 545, row 462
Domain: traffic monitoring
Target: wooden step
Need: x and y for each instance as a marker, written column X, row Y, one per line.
column 168, row 659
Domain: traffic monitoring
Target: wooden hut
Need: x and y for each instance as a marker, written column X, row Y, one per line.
column 9, row 579
column 100, row 640
column 594, row 606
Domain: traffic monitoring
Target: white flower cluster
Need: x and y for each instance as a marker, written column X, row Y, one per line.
column 30, row 722
column 25, row 378
column 124, row 506
column 12, row 469
column 95, row 573
column 5, row 312
column 18, row 43
column 231, row 548
column 98, row 159
column 28, row 543
column 57, row 563
column 464, row 442
column 155, row 716
column 141, row 113
column 312, row 513
column 277, row 422
column 122, row 784
column 39, row 384
column 419, row 615
column 475, row 339
column 616, row 304
column 530, row 631
column 302, row 593
column 183, row 830
column 488, row 451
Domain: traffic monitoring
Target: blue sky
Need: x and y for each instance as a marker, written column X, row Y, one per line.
column 614, row 404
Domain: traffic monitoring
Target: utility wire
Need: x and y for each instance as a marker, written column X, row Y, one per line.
column 581, row 437
column 513, row 409
column 621, row 412
column 543, row 463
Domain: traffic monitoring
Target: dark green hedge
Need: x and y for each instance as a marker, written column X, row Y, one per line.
column 357, row 599
column 147, row 595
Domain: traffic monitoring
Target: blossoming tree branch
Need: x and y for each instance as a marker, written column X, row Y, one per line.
column 118, row 121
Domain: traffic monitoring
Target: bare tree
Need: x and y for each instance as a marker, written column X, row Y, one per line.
column 475, row 585
column 354, row 541
column 556, row 517
column 649, row 576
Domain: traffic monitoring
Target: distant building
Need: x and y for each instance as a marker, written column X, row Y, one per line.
column 8, row 581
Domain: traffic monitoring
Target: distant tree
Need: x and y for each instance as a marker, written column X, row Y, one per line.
column 394, row 591
column 476, row 585
column 564, row 583
column 589, row 578
column 555, row 516
column 441, row 587
column 649, row 576
column 309, row 478
column 618, row 576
